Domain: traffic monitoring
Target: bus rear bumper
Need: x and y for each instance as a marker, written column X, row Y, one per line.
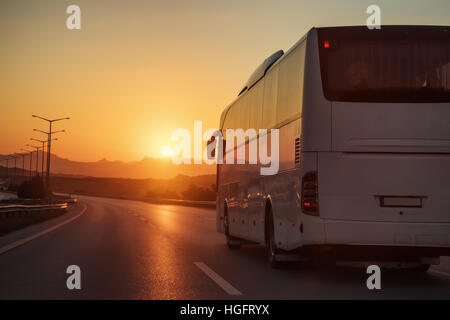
column 389, row 238
column 374, row 253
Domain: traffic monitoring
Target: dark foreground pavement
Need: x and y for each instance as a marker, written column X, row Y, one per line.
column 134, row 250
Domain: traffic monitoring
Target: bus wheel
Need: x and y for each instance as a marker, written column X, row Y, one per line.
column 272, row 249
column 232, row 243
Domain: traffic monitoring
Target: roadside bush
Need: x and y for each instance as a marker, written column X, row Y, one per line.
column 12, row 187
column 32, row 189
column 199, row 193
column 165, row 194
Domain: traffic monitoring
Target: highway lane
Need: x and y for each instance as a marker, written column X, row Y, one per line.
column 135, row 250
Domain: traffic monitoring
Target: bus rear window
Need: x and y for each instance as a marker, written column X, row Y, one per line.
column 394, row 64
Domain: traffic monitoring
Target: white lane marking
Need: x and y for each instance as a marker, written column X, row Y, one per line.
column 221, row 282
column 20, row 242
column 442, row 273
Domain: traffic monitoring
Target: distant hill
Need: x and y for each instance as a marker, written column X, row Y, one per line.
column 201, row 187
column 180, row 187
column 143, row 169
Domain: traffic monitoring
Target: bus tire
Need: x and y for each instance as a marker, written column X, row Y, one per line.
column 272, row 250
column 232, row 243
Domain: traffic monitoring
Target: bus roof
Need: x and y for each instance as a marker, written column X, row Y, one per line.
column 353, row 30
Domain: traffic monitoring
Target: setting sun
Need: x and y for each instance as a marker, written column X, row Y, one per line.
column 166, row 151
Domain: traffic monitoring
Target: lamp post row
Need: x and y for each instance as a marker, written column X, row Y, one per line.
column 49, row 140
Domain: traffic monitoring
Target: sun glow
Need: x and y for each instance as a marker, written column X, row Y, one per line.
column 166, row 151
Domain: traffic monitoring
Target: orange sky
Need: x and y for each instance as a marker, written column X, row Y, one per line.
column 139, row 69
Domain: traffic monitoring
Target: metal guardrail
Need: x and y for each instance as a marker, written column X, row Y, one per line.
column 25, row 207
column 189, row 203
column 36, row 207
column 180, row 202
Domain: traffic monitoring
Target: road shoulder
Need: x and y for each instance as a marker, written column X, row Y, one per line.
column 29, row 233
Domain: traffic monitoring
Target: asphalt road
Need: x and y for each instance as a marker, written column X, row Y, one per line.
column 136, row 250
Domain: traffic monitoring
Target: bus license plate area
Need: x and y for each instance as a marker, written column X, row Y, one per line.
column 400, row 202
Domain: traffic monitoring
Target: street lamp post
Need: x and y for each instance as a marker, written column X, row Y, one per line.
column 7, row 167
column 31, row 158
column 15, row 165
column 7, row 158
column 49, row 144
column 23, row 162
column 43, row 155
column 37, row 155
column 11, row 157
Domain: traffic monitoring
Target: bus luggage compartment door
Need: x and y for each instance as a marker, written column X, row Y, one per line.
column 384, row 187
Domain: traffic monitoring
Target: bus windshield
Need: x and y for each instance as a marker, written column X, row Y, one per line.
column 394, row 64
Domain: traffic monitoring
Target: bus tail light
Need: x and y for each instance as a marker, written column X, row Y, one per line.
column 310, row 203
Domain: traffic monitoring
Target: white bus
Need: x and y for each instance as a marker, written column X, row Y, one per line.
column 364, row 130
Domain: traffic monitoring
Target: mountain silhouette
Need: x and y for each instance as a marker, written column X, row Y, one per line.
column 143, row 169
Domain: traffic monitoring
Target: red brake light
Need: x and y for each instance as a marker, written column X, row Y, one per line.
column 310, row 194
column 326, row 44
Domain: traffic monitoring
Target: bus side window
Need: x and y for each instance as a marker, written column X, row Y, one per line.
column 244, row 111
column 270, row 99
column 290, row 79
column 255, row 104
